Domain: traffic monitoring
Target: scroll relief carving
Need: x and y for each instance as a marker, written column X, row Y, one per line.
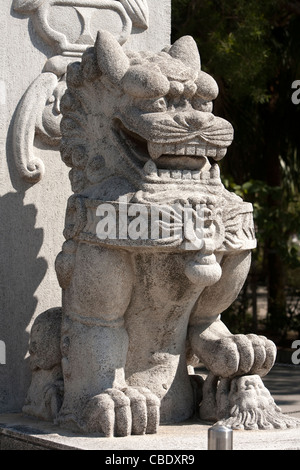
column 141, row 304
column 69, row 27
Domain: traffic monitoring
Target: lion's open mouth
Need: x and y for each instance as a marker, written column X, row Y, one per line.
column 182, row 157
column 190, row 155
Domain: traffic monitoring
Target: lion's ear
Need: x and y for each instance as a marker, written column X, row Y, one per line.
column 111, row 59
column 186, row 50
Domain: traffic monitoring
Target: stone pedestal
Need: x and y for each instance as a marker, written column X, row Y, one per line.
column 188, row 439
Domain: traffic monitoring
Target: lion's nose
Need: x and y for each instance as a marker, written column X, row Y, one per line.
column 194, row 120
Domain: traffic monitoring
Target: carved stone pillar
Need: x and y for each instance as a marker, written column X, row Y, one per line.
column 69, row 27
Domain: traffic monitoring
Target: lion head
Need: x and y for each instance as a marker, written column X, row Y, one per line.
column 136, row 120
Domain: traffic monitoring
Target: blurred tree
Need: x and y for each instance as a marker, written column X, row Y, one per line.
column 253, row 51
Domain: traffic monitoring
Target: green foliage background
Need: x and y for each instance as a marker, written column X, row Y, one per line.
column 252, row 49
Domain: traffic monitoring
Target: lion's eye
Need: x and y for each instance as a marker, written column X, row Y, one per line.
column 153, row 106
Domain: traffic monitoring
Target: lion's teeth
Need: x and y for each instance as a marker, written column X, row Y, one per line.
column 164, row 174
column 180, row 149
column 186, row 174
column 204, row 175
column 191, row 150
column 176, row 174
column 221, row 153
column 155, row 150
column 200, row 151
column 215, row 171
column 196, row 175
column 150, row 168
column 170, row 149
column 211, row 152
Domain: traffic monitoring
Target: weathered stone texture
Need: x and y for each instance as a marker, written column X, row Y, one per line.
column 141, row 140
column 32, row 213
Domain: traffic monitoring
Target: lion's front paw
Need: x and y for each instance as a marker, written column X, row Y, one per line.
column 236, row 355
column 122, row 412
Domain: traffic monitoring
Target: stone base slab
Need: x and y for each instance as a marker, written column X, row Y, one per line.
column 18, row 432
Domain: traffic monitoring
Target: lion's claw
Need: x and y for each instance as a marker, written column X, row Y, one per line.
column 236, row 355
column 122, row 412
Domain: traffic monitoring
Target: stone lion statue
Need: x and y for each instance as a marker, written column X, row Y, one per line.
column 142, row 143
